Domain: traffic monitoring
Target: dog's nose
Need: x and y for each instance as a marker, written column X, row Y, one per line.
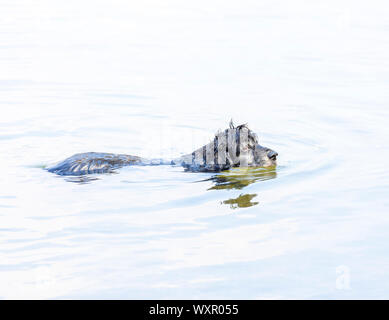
column 272, row 155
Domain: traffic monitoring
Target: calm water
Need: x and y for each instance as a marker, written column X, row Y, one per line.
column 158, row 79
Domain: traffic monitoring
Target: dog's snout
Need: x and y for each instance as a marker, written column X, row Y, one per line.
column 272, row 155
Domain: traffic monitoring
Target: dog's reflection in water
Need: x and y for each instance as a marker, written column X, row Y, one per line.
column 236, row 178
column 243, row 201
column 85, row 179
column 239, row 178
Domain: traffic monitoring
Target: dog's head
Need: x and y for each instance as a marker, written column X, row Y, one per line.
column 246, row 150
column 233, row 147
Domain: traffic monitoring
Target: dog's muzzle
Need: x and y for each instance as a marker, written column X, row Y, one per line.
column 272, row 155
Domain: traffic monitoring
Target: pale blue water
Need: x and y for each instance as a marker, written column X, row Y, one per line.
column 158, row 79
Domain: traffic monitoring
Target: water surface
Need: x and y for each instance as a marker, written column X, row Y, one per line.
column 158, row 79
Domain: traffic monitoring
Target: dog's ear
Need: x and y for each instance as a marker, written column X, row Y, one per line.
column 232, row 124
column 242, row 126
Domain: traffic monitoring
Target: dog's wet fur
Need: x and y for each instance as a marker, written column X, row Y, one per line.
column 233, row 147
